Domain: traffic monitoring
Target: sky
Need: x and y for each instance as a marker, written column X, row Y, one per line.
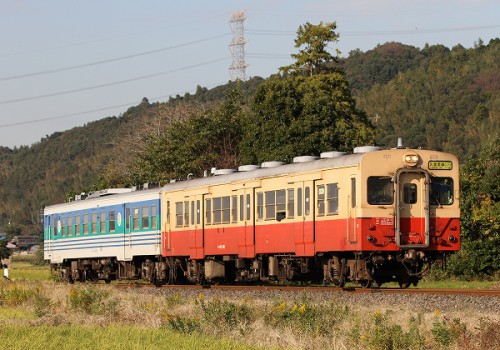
column 66, row 63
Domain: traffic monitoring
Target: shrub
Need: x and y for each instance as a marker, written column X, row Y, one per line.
column 91, row 301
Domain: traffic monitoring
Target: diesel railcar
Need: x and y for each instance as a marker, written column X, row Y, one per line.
column 370, row 217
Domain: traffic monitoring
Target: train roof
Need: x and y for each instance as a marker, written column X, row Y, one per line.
column 275, row 169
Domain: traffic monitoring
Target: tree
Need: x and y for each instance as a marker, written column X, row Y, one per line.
column 302, row 114
column 314, row 59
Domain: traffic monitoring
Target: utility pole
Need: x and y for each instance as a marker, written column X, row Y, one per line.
column 237, row 46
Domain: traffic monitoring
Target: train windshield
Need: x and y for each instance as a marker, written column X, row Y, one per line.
column 380, row 190
column 441, row 191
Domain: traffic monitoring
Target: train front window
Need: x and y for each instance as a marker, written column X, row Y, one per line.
column 380, row 190
column 441, row 191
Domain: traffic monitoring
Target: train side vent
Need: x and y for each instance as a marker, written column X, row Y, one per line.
column 248, row 167
column 272, row 164
column 304, row 159
column 218, row 172
column 333, row 154
column 366, row 149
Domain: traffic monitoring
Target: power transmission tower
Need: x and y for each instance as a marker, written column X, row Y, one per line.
column 237, row 46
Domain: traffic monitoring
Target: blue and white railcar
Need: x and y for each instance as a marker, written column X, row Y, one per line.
column 112, row 234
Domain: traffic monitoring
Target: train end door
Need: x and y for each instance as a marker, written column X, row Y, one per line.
column 412, row 208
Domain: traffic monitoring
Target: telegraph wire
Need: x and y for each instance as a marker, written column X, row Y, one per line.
column 121, row 58
column 33, row 121
column 59, row 93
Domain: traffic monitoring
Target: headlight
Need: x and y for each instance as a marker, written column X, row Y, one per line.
column 411, row 159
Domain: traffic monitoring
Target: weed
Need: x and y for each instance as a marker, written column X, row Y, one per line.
column 91, row 301
column 224, row 314
column 184, row 325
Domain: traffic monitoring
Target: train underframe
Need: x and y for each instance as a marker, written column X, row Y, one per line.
column 369, row 269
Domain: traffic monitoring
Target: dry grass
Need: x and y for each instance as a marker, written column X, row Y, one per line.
column 250, row 322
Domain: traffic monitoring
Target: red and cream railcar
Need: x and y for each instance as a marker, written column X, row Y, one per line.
column 369, row 217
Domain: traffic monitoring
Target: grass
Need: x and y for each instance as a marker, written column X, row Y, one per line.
column 73, row 337
column 28, row 272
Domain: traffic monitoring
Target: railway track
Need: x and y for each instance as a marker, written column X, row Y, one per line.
column 447, row 291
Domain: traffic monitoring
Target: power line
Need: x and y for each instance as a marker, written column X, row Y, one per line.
column 33, row 121
column 59, row 93
column 121, row 58
column 376, row 32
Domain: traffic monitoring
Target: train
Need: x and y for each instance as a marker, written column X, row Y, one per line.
column 369, row 217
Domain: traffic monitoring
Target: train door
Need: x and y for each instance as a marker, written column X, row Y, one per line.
column 127, row 232
column 352, row 227
column 196, row 239
column 412, row 208
column 246, row 223
column 304, row 225
column 48, row 236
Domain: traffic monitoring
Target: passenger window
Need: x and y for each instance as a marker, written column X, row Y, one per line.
column 208, row 211
column 234, row 209
column 179, row 215
column 226, row 209
column 192, row 212
column 248, row 207
column 242, row 208
column 186, row 213
column 270, row 205
column 70, row 226
column 135, row 223
column 410, row 193
column 94, row 223
column 153, row 216
column 85, row 224
column 102, row 220
column 260, row 206
column 145, row 217
column 63, row 226
column 217, row 210
column 112, row 222
column 77, row 225
column 127, row 219
column 291, row 203
column 332, row 199
column 321, row 200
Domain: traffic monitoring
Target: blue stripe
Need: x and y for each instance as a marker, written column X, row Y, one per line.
column 99, row 246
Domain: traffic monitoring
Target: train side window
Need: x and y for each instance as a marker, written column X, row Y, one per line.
column 102, row 216
column 135, row 221
column 208, row 211
column 332, row 199
column 307, row 197
column 242, row 208
column 127, row 219
column 198, row 212
column 93, row 226
column 226, row 209
column 85, row 224
column 69, row 228
column 270, row 205
column 280, row 204
column 63, row 226
column 299, row 201
column 186, row 213
column 248, row 207
column 260, row 206
column 380, row 190
column 145, row 216
column 353, row 192
column 234, row 209
column 153, row 216
column 410, row 193
column 291, row 203
column 179, row 215
column 321, row 200
column 192, row 212
column 77, row 225
column 112, row 222
column 441, row 191
column 217, row 202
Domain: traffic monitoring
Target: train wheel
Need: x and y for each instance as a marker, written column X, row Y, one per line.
column 366, row 283
column 403, row 284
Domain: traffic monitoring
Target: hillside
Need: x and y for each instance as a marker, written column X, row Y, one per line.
column 435, row 97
